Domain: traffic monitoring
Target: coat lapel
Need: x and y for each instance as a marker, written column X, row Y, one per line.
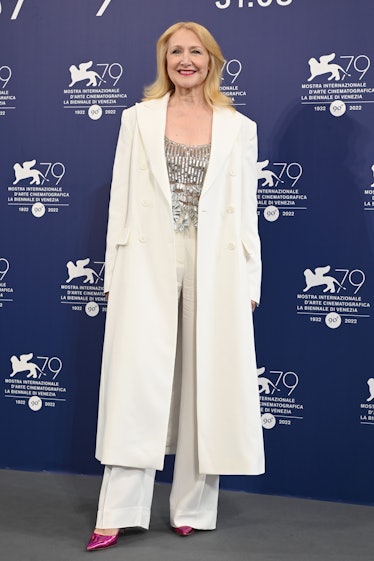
column 152, row 121
column 224, row 131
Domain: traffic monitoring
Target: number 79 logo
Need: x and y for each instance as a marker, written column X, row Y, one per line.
column 16, row 10
column 19, row 4
column 103, row 7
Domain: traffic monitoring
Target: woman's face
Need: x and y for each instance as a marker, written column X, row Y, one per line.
column 187, row 60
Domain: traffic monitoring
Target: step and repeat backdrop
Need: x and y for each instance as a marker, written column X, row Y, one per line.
column 305, row 72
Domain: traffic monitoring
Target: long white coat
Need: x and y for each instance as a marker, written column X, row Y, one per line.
column 139, row 356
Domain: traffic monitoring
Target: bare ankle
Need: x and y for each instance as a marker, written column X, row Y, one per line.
column 106, row 531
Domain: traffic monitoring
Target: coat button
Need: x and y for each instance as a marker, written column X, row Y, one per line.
column 232, row 172
column 142, row 239
column 230, row 209
column 231, row 246
column 143, row 165
column 146, row 202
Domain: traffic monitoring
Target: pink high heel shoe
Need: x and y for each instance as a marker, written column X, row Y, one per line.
column 98, row 541
column 184, row 531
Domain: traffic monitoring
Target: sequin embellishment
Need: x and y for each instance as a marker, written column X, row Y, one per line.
column 186, row 169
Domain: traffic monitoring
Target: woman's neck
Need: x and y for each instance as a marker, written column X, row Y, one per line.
column 189, row 99
column 189, row 119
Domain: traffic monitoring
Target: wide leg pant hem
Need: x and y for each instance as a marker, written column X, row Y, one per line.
column 201, row 520
column 132, row 517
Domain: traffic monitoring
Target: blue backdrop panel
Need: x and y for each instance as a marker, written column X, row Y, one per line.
column 305, row 72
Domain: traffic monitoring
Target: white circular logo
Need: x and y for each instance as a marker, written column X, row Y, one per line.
column 271, row 213
column 338, row 108
column 92, row 309
column 95, row 112
column 35, row 403
column 268, row 421
column 38, row 210
column 333, row 320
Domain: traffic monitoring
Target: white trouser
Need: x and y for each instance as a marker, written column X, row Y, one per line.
column 126, row 493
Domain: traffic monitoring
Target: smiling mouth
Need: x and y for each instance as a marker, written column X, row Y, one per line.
column 186, row 72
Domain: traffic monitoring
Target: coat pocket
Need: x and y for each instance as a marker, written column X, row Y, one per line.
column 247, row 247
column 123, row 237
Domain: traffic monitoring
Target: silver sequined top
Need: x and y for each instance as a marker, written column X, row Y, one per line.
column 186, row 168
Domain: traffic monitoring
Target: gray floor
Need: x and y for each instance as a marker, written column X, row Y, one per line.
column 46, row 516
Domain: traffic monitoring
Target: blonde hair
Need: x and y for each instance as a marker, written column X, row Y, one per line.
column 162, row 85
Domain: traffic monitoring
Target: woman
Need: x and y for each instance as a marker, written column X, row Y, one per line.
column 183, row 269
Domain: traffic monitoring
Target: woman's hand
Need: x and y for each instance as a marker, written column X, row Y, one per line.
column 106, row 296
column 254, row 304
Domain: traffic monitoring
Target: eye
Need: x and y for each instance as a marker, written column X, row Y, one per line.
column 175, row 51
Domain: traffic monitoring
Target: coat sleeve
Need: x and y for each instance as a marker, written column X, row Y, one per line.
column 250, row 235
column 119, row 193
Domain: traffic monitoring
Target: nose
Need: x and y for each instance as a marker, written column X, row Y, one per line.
column 185, row 58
